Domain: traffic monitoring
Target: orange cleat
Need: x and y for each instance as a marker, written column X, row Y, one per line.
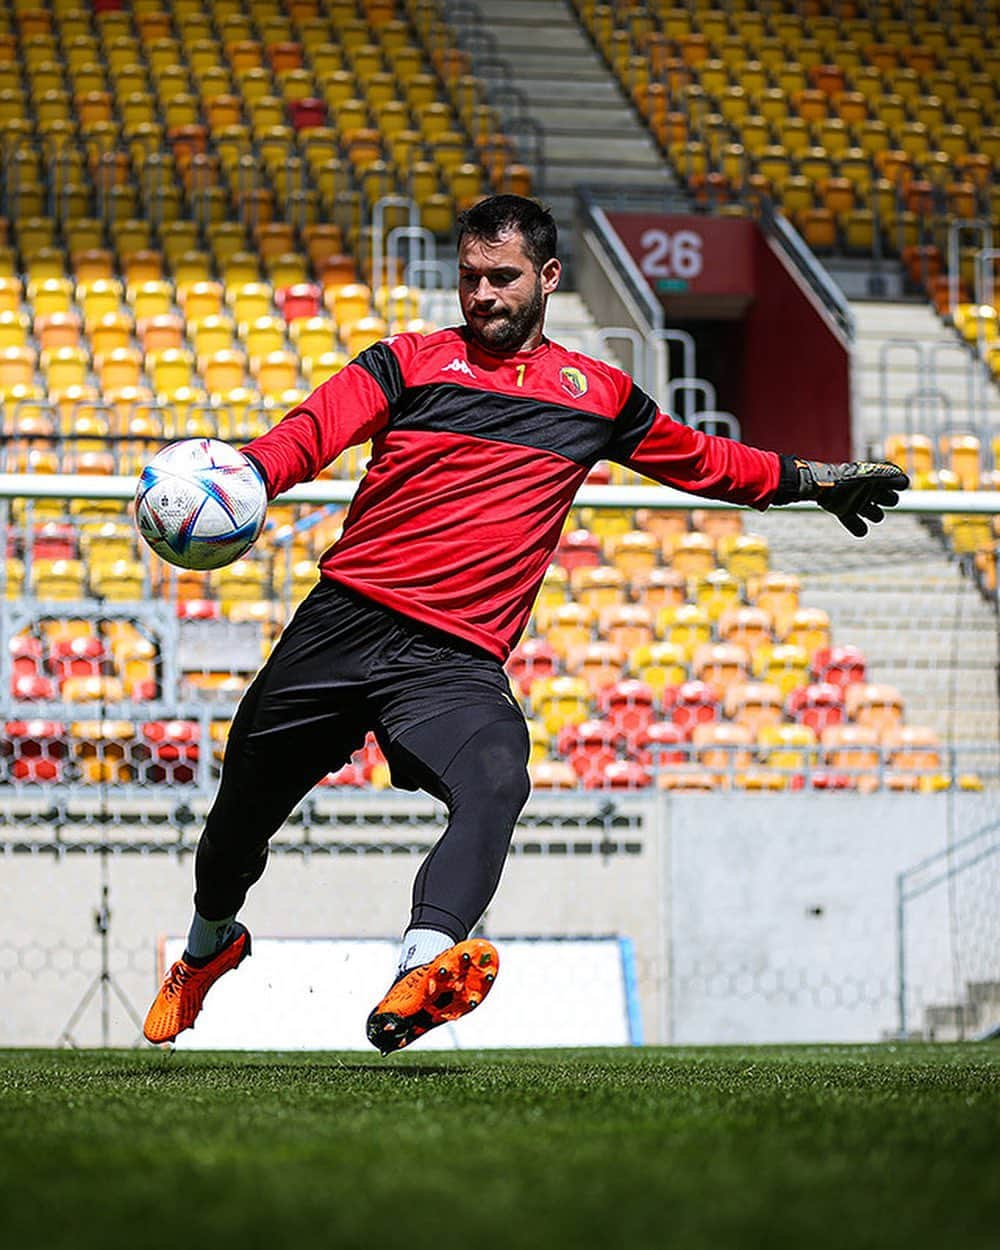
column 446, row 989
column 183, row 991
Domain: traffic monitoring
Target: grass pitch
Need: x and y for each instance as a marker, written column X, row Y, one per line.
column 846, row 1147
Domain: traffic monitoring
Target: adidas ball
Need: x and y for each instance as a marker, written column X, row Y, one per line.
column 200, row 504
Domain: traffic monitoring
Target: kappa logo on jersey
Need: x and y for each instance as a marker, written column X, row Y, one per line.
column 458, row 365
column 574, row 382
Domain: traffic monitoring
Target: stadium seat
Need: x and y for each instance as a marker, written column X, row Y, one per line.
column 686, row 626
column 875, row 705
column 588, row 748
column 35, row 750
column 552, row 775
column 627, row 625
column 559, row 701
column 720, row 665
column 694, row 703
column 788, row 748
column 629, row 706
column 600, row 664
column 754, row 705
column 658, row 665
column 852, row 751
column 840, row 666
column 570, row 629
column 530, row 661
column 723, row 748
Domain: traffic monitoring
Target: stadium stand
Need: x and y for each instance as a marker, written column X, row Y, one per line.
column 197, row 199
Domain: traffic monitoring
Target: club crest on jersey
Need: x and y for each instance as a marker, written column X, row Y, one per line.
column 574, row 382
column 458, row 365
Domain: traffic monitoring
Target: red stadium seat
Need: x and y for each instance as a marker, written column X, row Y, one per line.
column 823, row 779
column 199, row 610
column 307, row 113
column 840, row 666
column 625, row 775
column 590, row 742
column 529, row 661
column 817, row 706
column 55, row 541
column 35, row 750
column 661, row 742
column 25, row 654
column 302, row 300
column 579, row 549
column 629, row 706
column 172, row 749
column 33, row 686
column 77, row 657
column 352, row 775
column 696, row 703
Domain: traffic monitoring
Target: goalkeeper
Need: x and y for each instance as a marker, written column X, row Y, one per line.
column 481, row 435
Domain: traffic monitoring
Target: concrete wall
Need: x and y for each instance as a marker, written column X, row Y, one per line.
column 754, row 918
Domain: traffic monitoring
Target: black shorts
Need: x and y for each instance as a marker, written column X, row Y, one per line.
column 344, row 665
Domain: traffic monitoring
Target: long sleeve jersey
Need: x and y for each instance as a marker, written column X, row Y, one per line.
column 475, row 462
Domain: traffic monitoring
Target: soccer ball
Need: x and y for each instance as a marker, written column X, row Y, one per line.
column 200, row 504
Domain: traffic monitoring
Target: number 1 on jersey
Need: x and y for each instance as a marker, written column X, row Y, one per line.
column 520, row 374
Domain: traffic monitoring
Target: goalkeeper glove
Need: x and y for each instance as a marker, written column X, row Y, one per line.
column 855, row 493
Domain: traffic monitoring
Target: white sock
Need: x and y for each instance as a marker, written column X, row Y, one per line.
column 420, row 946
column 206, row 937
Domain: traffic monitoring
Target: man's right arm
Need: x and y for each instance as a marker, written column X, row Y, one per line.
column 342, row 412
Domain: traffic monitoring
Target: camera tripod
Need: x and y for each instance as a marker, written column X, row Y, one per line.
column 104, row 984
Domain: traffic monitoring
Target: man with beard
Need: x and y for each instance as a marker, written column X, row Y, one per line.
column 481, row 435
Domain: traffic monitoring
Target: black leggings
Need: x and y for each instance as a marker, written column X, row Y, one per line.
column 443, row 714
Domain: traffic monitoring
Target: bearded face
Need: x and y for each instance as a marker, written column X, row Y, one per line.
column 502, row 294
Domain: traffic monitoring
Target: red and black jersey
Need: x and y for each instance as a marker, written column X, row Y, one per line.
column 475, row 462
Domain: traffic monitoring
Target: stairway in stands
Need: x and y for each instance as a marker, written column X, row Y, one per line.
column 592, row 135
column 957, row 393
column 900, row 594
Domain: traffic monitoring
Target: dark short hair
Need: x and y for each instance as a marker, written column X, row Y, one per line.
column 500, row 214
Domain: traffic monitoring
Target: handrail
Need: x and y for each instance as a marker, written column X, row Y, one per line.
column 977, row 225
column 919, row 395
column 935, row 350
column 690, row 387
column 624, row 266
column 886, row 348
column 712, row 421
column 781, row 230
column 635, row 340
column 420, row 235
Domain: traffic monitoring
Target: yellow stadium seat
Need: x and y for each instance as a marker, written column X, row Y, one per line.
column 57, row 579
column 559, row 701
column 170, row 371
column 687, row 626
column 808, row 628
column 693, row 554
column 659, row 664
column 598, row 586
column 747, row 556
column 364, row 333
column 716, row 592
column 276, row 373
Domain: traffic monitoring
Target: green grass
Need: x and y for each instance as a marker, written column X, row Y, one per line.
column 846, row 1147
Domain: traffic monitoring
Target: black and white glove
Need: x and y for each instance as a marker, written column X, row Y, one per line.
column 855, row 493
